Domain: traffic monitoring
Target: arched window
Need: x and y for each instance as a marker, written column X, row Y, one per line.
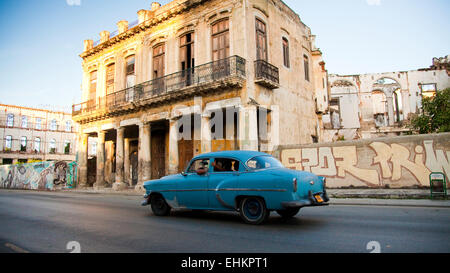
column 261, row 40
column 187, row 59
column 92, row 89
column 23, row 144
column 110, row 73
column 37, row 145
column 52, row 146
column 24, row 121
column 10, row 120
column 158, row 61
column 379, row 108
column 8, row 143
column 286, row 60
column 130, row 71
column 67, row 147
column 220, row 40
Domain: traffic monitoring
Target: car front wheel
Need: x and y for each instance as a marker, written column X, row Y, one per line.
column 288, row 213
column 253, row 210
column 159, row 206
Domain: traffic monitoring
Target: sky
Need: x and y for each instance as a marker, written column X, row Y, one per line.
column 41, row 40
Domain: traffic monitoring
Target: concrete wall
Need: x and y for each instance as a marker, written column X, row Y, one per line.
column 360, row 103
column 394, row 162
column 47, row 175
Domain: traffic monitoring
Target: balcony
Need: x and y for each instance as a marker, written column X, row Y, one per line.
column 217, row 75
column 266, row 74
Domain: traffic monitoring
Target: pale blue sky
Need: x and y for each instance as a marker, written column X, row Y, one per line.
column 41, row 40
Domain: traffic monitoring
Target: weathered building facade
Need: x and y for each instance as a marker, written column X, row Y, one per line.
column 30, row 134
column 375, row 105
column 195, row 76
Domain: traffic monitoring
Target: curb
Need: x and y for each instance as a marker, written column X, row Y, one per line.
column 390, row 202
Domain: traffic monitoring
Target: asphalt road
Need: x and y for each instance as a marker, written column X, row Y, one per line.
column 48, row 222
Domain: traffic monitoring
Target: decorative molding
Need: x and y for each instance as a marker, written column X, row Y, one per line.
column 261, row 10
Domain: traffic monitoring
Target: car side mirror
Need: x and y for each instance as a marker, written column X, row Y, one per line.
column 183, row 174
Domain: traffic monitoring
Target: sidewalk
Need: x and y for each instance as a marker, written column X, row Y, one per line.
column 386, row 197
column 369, row 197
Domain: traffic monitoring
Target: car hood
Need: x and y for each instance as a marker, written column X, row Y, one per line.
column 163, row 180
column 294, row 173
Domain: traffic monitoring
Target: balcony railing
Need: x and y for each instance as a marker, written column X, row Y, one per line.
column 266, row 74
column 199, row 75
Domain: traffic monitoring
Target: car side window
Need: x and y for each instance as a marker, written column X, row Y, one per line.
column 225, row 165
column 199, row 164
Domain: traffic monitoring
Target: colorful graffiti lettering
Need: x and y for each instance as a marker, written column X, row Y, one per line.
column 38, row 176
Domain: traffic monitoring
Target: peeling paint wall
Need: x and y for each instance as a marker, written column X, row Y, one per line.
column 394, row 162
column 46, row 175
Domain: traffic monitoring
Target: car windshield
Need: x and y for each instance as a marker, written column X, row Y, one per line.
column 263, row 162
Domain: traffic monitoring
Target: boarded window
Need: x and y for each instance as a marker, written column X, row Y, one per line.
column 110, row 72
column 158, row 61
column 261, row 40
column 306, row 65
column 93, row 85
column 220, row 40
column 286, row 60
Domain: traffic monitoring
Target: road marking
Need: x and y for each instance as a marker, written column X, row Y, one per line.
column 16, row 248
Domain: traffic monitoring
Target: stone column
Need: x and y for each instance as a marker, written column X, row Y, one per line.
column 144, row 156
column 126, row 162
column 119, row 184
column 100, row 176
column 205, row 134
column 390, row 109
column 82, row 160
column 248, row 128
column 173, row 147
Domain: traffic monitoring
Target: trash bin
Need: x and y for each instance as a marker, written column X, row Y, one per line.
column 438, row 185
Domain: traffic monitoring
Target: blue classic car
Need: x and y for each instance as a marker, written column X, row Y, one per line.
column 252, row 183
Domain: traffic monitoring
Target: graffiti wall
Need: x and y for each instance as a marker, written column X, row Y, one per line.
column 46, row 175
column 394, row 162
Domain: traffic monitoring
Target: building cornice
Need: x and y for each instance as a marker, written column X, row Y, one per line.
column 162, row 15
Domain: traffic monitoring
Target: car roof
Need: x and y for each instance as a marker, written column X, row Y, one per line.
column 241, row 155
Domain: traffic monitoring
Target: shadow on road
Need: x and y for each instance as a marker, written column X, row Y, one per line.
column 227, row 218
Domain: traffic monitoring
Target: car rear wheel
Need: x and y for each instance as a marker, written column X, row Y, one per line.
column 288, row 213
column 159, row 206
column 253, row 210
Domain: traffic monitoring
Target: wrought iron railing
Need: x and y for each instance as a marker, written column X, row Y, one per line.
column 266, row 71
column 203, row 74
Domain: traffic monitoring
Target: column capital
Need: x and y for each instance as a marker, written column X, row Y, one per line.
column 101, row 134
column 145, row 124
